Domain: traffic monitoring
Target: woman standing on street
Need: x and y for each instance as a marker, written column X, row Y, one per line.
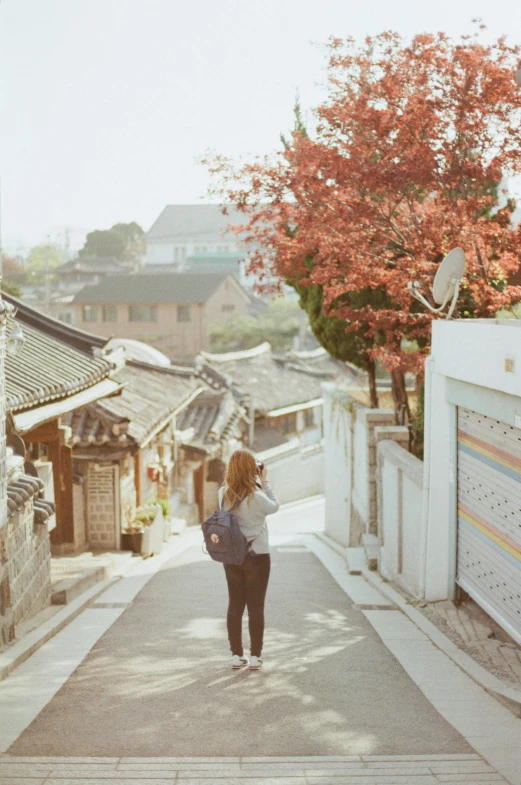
column 246, row 482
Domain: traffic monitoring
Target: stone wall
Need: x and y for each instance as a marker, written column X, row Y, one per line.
column 6, row 623
column 25, row 579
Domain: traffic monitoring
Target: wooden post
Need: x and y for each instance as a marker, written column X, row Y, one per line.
column 137, row 477
column 61, row 458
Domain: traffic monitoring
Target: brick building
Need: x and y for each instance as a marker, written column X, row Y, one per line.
column 170, row 311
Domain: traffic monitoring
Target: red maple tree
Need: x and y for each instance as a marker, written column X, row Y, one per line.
column 403, row 164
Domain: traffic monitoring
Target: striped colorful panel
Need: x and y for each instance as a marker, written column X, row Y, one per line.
column 492, row 456
column 491, row 533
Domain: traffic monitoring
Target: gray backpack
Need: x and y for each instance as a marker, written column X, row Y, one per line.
column 223, row 538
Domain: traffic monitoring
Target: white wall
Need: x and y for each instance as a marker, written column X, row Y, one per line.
column 296, row 475
column 400, row 504
column 469, row 353
column 338, row 463
column 361, row 467
column 475, row 351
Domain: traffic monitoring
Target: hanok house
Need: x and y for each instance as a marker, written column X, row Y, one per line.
column 210, row 429
column 59, row 369
column 283, row 397
column 130, row 450
column 284, row 392
column 170, row 311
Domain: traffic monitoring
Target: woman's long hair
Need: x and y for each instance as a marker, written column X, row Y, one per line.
column 241, row 477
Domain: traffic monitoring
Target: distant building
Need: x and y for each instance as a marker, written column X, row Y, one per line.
column 183, row 230
column 170, row 311
column 78, row 272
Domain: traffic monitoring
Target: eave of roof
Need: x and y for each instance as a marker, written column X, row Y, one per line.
column 57, row 361
column 79, row 339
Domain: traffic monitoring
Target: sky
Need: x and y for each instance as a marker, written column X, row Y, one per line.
column 106, row 106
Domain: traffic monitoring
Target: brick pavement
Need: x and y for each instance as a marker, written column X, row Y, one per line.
column 303, row 770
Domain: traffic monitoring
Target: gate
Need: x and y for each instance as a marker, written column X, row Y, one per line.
column 489, row 516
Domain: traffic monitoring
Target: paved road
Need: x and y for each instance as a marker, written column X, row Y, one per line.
column 158, row 683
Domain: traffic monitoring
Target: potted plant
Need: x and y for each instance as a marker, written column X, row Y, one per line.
column 165, row 509
column 132, row 537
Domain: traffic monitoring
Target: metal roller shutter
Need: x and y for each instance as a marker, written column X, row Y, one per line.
column 489, row 516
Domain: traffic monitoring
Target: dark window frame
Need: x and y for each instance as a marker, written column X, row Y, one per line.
column 139, row 313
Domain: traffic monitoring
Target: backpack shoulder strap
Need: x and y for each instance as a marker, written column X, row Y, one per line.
column 237, row 504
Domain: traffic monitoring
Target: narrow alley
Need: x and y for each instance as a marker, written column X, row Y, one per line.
column 138, row 688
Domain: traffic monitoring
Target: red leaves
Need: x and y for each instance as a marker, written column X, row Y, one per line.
column 407, row 153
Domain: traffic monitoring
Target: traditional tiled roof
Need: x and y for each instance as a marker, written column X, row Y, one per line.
column 186, row 221
column 56, row 362
column 24, row 488
column 149, row 397
column 275, row 382
column 214, row 416
column 151, row 288
column 108, row 266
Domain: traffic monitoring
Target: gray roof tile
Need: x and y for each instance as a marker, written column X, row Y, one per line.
column 152, row 288
column 57, row 361
column 276, row 382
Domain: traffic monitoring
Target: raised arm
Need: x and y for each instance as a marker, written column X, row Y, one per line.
column 268, row 500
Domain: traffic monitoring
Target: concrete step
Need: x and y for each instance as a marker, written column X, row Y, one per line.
column 73, row 575
column 372, row 550
column 356, row 560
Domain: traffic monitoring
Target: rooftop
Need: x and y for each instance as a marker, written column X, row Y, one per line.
column 149, row 397
column 213, row 416
column 93, row 266
column 186, row 221
column 57, row 360
column 276, row 382
column 153, row 288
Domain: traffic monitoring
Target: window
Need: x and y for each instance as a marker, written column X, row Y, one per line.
column 66, row 317
column 142, row 313
column 228, row 308
column 289, row 423
column 90, row 313
column 110, row 313
column 309, row 418
column 183, row 313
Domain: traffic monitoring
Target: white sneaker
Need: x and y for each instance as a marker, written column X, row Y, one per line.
column 239, row 662
column 255, row 663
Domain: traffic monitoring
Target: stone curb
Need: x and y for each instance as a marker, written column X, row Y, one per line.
column 20, row 651
column 26, row 646
column 507, row 696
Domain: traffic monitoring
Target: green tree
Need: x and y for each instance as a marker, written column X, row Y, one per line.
column 279, row 324
column 10, row 288
column 124, row 242
column 42, row 260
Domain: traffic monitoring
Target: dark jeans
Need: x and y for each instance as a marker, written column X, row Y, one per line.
column 247, row 584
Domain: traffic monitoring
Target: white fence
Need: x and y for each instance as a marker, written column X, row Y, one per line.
column 399, row 501
column 373, row 485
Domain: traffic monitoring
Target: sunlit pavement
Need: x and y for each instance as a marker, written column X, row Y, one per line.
column 138, row 687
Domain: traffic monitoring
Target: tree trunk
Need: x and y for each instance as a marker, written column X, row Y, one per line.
column 371, row 375
column 401, row 402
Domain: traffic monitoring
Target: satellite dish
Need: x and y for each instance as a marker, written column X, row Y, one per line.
column 446, row 283
column 449, row 273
